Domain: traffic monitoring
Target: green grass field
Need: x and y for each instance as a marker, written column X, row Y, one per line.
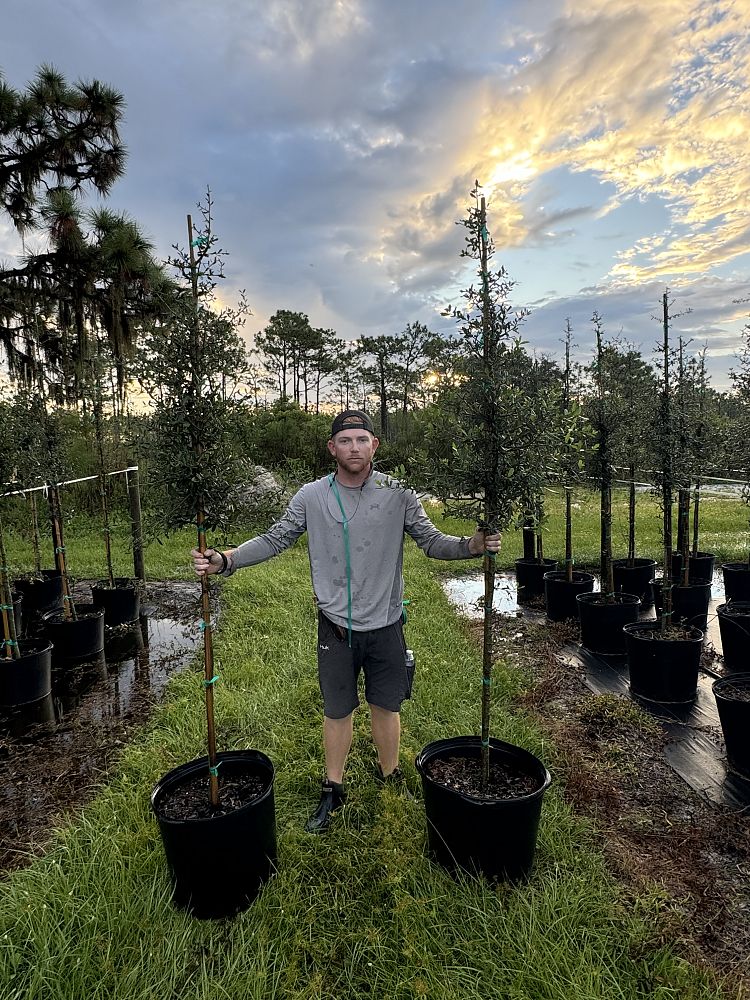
column 361, row 911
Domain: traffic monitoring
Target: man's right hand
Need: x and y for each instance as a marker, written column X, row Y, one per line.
column 208, row 562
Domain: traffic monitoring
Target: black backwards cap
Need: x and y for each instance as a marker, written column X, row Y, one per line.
column 352, row 420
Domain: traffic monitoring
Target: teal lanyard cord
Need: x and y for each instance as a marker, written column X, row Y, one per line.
column 332, row 481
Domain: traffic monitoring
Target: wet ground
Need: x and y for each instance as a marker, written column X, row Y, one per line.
column 55, row 752
column 467, row 593
column 663, row 808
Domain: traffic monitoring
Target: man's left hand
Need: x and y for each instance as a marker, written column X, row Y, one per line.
column 479, row 543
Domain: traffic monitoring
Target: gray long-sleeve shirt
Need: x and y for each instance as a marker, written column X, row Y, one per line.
column 378, row 513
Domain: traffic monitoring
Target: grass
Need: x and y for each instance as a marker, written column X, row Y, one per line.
column 359, row 912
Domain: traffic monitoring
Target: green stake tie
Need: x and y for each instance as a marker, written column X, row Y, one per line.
column 207, row 684
column 404, row 615
column 202, row 626
column 332, row 484
column 9, row 642
column 6, row 607
column 59, row 548
column 199, row 241
column 487, row 681
column 485, row 743
column 214, row 771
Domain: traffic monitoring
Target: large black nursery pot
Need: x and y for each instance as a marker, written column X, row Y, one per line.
column 663, row 670
column 560, row 595
column 733, row 702
column 530, row 578
column 689, row 604
column 79, row 639
column 218, row 864
column 602, row 622
column 701, row 566
column 494, row 838
column 28, row 678
column 736, row 581
column 121, row 603
column 734, row 628
column 635, row 579
column 40, row 596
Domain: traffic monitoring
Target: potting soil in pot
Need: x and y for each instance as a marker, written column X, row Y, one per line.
column 736, row 693
column 464, row 774
column 190, row 800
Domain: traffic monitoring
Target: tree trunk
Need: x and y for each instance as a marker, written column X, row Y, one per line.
column 631, row 517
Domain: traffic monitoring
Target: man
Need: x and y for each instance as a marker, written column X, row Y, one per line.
column 355, row 519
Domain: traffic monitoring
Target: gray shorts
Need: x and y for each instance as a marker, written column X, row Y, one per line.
column 380, row 653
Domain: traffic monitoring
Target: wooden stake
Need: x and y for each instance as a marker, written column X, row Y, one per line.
column 12, row 652
column 208, row 652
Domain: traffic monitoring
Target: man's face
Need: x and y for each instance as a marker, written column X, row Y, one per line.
column 353, row 450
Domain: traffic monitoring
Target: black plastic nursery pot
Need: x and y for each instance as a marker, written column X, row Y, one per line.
column 635, row 579
column 121, row 603
column 736, row 581
column 602, row 623
column 76, row 639
column 218, row 864
column 530, row 578
column 701, row 566
column 733, row 702
column 28, row 678
column 495, row 838
column 689, row 604
column 734, row 629
column 560, row 595
column 41, row 596
column 662, row 670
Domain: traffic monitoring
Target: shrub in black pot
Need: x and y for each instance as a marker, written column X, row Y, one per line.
column 120, row 599
column 494, row 832
column 663, row 667
column 216, row 813
column 734, row 628
column 733, row 702
column 689, row 603
column 560, row 593
column 602, row 621
column 634, row 579
column 736, row 581
column 488, row 449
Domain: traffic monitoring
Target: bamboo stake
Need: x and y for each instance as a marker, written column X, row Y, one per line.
column 208, row 653
column 35, row 534
column 490, row 505
column 6, row 600
column 666, row 606
column 55, row 512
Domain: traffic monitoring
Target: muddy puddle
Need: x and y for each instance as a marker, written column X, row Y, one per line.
column 467, row 594
column 54, row 752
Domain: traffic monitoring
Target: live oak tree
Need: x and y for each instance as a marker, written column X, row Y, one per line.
column 192, row 366
column 475, row 458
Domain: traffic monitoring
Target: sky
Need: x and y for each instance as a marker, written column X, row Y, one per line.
column 341, row 139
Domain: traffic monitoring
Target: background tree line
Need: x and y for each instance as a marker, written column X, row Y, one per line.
column 73, row 314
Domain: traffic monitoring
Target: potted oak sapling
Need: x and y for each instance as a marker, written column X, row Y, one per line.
column 215, row 813
column 482, row 795
column 664, row 655
column 603, row 614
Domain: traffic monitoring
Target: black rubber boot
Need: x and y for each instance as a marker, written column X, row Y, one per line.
column 332, row 797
